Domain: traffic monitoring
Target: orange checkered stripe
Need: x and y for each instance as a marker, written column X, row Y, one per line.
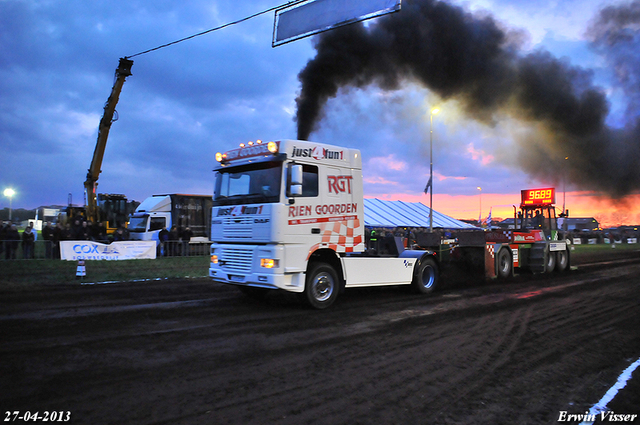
column 339, row 236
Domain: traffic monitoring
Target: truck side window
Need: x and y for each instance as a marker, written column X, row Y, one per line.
column 157, row 223
column 309, row 181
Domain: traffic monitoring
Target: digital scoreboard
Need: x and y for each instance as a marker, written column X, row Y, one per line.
column 538, row 197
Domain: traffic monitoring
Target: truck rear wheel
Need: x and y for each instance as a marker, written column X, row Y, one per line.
column 504, row 264
column 562, row 260
column 551, row 262
column 425, row 280
column 321, row 287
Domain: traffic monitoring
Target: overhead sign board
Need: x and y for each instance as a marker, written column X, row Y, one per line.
column 309, row 17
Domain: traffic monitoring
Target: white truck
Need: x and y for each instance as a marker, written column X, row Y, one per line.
column 178, row 210
column 289, row 215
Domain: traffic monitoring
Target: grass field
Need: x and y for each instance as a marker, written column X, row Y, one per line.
column 31, row 274
column 35, row 273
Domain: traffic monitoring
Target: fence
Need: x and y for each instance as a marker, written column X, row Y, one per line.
column 47, row 250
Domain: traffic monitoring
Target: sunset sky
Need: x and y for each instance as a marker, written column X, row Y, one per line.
column 186, row 102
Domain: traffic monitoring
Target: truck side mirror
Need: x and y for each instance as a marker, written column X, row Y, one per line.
column 295, row 182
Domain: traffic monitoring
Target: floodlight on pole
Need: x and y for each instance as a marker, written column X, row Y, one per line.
column 433, row 112
column 564, row 189
column 480, row 210
column 9, row 193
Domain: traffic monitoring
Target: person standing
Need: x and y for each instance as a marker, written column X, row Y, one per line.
column 12, row 242
column 100, row 233
column 28, row 243
column 84, row 232
column 47, row 235
column 74, row 231
column 119, row 235
column 186, row 237
column 163, row 238
column 3, row 235
column 58, row 235
column 174, row 236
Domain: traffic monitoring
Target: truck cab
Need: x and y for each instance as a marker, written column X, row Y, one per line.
column 169, row 210
column 150, row 217
column 290, row 215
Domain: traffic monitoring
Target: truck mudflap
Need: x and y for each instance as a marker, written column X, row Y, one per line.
column 496, row 262
column 490, row 260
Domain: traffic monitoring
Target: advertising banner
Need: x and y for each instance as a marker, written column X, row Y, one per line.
column 89, row 250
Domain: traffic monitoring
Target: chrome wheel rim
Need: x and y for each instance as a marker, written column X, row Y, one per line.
column 322, row 287
column 428, row 277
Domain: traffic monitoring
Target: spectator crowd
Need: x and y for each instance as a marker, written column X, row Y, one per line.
column 52, row 235
column 173, row 242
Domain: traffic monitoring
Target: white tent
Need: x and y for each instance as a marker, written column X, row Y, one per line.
column 379, row 213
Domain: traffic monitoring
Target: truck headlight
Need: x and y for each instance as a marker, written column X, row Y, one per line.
column 214, row 259
column 268, row 263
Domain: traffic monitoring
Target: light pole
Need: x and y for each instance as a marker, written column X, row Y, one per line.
column 9, row 193
column 433, row 112
column 564, row 188
column 480, row 210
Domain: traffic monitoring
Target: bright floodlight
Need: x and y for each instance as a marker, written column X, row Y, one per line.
column 9, row 193
column 435, row 111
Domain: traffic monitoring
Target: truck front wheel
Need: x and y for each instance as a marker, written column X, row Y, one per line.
column 425, row 279
column 321, row 287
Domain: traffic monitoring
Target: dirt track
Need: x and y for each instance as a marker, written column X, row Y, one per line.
column 183, row 352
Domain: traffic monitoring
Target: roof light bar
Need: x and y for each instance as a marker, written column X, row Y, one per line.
column 251, row 149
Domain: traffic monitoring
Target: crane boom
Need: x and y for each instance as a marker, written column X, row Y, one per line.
column 122, row 72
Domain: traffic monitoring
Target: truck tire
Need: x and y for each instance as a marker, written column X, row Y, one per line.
column 321, row 286
column 504, row 264
column 551, row 262
column 425, row 279
column 562, row 260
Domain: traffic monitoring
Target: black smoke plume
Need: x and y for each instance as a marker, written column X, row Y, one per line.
column 472, row 59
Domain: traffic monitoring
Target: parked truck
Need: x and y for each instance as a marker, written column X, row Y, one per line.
column 289, row 215
column 165, row 211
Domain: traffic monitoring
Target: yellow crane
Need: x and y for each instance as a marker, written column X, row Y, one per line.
column 113, row 210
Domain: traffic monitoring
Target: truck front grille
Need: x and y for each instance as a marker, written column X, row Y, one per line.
column 238, row 227
column 236, row 260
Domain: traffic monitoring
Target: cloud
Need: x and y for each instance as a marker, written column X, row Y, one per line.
column 389, row 163
column 479, row 155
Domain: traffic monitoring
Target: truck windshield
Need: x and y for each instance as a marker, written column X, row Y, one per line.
column 138, row 224
column 248, row 184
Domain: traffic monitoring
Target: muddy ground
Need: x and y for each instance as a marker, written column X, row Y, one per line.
column 191, row 352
